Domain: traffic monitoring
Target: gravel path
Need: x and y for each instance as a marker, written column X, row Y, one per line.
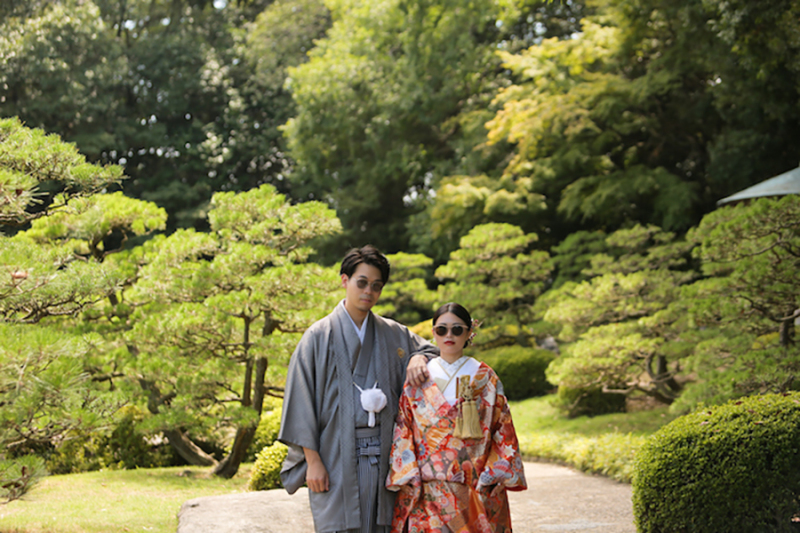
column 558, row 499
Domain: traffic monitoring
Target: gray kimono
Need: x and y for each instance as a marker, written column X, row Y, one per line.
column 321, row 409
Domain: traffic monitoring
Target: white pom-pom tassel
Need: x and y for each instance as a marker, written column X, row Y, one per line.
column 373, row 401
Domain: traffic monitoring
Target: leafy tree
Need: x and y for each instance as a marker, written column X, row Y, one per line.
column 406, row 298
column 393, row 96
column 497, row 276
column 626, row 325
column 650, row 113
column 748, row 303
column 573, row 255
column 164, row 88
column 34, row 165
column 45, row 392
column 219, row 314
column 756, row 91
column 244, row 144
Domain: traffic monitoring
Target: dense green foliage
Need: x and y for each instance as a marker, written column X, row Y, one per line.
column 266, row 472
column 268, row 428
column 177, row 92
column 497, row 276
column 748, row 303
column 732, row 468
column 623, row 324
column 520, row 369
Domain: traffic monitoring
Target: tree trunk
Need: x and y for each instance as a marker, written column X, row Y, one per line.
column 187, row 449
column 228, row 467
column 786, row 335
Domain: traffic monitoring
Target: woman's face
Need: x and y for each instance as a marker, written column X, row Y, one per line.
column 449, row 343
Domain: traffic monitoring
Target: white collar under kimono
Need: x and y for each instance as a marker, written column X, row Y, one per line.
column 443, row 373
column 362, row 331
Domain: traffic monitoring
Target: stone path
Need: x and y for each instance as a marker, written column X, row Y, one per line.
column 558, row 499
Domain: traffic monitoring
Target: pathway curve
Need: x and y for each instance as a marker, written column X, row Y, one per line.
column 558, row 499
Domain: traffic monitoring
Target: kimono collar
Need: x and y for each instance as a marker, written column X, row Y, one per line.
column 363, row 329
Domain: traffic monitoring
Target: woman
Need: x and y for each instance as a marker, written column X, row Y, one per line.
column 455, row 452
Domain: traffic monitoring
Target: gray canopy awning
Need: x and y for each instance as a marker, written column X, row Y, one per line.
column 783, row 184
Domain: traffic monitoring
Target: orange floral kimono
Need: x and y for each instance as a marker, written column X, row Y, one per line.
column 446, row 481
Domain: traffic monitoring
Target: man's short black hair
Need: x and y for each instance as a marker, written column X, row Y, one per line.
column 366, row 254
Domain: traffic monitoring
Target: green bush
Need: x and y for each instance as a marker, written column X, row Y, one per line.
column 588, row 402
column 520, row 369
column 266, row 472
column 268, row 428
column 734, row 468
column 128, row 447
column 78, row 452
column 124, row 446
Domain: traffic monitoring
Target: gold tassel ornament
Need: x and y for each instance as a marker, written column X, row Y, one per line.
column 468, row 425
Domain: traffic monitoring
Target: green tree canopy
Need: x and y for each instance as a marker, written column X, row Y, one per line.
column 214, row 310
column 498, row 277
column 625, row 325
column 749, row 301
column 45, row 391
column 167, row 89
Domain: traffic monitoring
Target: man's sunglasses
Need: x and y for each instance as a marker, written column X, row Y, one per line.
column 377, row 286
column 457, row 330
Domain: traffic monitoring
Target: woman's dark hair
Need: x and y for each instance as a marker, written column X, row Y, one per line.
column 366, row 254
column 456, row 309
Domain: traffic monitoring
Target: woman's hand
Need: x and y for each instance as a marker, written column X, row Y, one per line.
column 316, row 474
column 417, row 371
column 497, row 490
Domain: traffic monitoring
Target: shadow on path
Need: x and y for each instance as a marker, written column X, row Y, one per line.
column 558, row 499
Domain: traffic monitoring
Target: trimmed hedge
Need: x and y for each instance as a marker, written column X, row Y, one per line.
column 520, row 369
column 266, row 472
column 734, row 468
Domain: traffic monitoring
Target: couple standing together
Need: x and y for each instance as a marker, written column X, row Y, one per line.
column 389, row 433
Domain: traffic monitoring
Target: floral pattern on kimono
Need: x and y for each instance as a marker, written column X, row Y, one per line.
column 447, row 481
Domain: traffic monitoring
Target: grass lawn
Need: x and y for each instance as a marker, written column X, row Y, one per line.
column 537, row 415
column 114, row 501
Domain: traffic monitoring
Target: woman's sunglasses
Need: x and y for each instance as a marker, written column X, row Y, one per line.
column 377, row 286
column 442, row 330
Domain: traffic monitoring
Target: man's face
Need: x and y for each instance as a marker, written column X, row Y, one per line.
column 363, row 298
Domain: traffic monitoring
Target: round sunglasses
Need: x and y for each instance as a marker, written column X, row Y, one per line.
column 457, row 330
column 377, row 286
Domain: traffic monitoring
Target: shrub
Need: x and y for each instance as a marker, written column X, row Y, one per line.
column 520, row 369
column 734, row 468
column 124, row 446
column 268, row 428
column 77, row 452
column 588, row 402
column 128, row 447
column 266, row 472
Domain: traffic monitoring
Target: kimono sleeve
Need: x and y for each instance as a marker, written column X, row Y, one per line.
column 504, row 464
column 299, row 425
column 403, row 466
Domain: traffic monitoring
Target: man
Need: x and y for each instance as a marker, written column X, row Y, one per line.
column 332, row 445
